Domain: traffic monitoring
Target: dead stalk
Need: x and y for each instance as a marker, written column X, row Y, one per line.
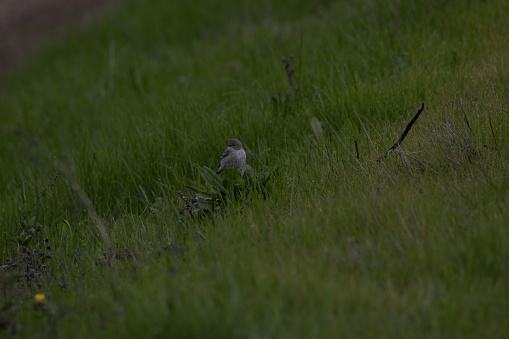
column 405, row 132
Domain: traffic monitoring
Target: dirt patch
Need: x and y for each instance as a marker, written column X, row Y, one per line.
column 24, row 24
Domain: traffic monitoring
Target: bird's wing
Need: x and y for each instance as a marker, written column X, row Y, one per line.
column 226, row 154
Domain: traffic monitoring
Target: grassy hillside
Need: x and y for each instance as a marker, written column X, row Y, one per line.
column 101, row 132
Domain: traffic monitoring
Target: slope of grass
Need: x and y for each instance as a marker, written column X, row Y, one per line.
column 414, row 244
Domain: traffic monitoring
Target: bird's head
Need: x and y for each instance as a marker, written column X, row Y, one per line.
column 235, row 144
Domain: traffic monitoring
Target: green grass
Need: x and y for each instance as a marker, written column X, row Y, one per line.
column 126, row 111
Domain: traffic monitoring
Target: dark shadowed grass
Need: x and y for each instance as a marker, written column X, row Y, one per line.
column 412, row 245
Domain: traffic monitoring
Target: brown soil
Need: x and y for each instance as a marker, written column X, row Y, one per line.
column 24, row 24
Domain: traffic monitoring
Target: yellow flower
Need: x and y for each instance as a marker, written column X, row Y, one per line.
column 39, row 298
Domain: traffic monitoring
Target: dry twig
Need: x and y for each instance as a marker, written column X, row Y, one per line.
column 407, row 129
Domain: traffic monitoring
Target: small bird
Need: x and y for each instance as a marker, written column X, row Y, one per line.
column 233, row 156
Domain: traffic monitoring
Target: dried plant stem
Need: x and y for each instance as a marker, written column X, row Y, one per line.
column 325, row 146
column 464, row 115
column 144, row 194
column 366, row 132
column 405, row 132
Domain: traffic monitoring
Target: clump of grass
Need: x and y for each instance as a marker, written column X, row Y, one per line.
column 31, row 264
column 23, row 274
column 451, row 142
column 220, row 191
column 28, row 227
